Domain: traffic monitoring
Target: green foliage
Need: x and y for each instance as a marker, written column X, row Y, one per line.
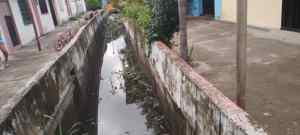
column 139, row 12
column 164, row 21
column 157, row 18
column 93, row 4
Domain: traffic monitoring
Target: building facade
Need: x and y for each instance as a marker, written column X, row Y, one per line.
column 201, row 7
column 261, row 13
column 60, row 11
column 77, row 7
column 17, row 24
column 8, row 25
column 273, row 14
column 17, row 18
column 21, row 11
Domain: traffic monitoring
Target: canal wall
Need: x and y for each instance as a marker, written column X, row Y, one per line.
column 64, row 91
column 192, row 104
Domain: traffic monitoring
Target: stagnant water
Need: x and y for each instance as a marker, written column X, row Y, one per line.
column 127, row 105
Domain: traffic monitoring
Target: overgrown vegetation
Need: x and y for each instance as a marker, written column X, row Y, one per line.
column 164, row 21
column 140, row 91
column 157, row 19
column 139, row 12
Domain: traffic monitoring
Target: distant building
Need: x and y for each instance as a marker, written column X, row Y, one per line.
column 8, row 25
column 261, row 13
column 64, row 9
column 201, row 7
column 16, row 22
column 60, row 11
column 77, row 7
column 274, row 14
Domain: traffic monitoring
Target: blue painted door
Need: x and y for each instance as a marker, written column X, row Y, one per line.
column 218, row 9
column 195, row 7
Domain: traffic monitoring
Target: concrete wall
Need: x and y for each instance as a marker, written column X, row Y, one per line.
column 261, row 13
column 64, row 90
column 192, row 104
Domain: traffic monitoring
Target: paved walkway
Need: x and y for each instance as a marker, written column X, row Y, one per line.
column 273, row 75
column 27, row 61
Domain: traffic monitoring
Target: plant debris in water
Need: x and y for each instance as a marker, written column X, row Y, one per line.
column 139, row 91
column 114, row 28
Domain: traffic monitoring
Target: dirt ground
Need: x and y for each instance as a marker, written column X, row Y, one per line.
column 273, row 93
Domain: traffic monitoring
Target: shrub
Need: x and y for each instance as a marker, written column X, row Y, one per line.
column 138, row 12
column 164, row 21
column 157, row 18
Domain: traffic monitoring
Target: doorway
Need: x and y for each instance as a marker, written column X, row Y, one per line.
column 291, row 15
column 209, row 7
column 53, row 13
column 11, row 26
column 201, row 7
column 195, row 7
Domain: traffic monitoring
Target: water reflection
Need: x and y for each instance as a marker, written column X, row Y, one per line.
column 127, row 105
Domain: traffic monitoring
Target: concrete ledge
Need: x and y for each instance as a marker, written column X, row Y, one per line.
column 65, row 84
column 206, row 110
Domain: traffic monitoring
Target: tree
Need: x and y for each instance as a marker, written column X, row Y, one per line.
column 93, row 4
column 182, row 4
column 164, row 20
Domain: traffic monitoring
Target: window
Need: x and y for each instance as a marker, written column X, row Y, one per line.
column 43, row 6
column 25, row 12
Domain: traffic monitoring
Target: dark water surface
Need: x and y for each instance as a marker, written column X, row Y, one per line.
column 127, row 105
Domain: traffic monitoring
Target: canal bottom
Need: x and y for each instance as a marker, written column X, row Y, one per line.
column 127, row 105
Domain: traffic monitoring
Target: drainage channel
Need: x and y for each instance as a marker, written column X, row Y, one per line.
column 127, row 105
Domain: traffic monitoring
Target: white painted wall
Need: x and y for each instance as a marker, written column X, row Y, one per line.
column 261, row 13
column 83, row 6
column 62, row 11
column 77, row 7
column 46, row 19
column 73, row 7
column 26, row 32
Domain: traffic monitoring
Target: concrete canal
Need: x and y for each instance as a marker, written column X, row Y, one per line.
column 127, row 105
column 106, row 82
